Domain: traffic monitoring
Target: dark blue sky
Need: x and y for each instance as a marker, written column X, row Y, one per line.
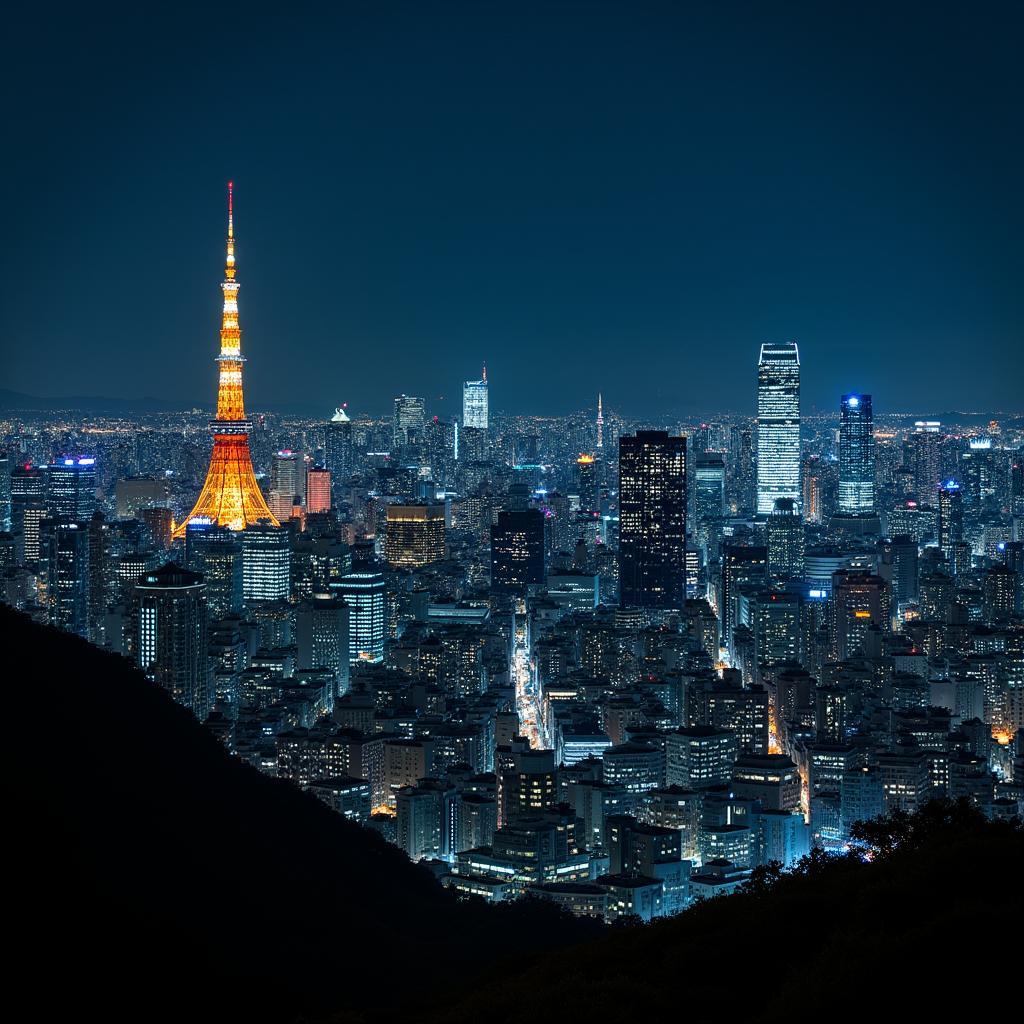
column 627, row 197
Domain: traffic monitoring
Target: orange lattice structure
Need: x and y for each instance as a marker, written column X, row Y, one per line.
column 231, row 496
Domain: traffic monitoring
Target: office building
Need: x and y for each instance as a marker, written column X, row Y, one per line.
column 517, row 549
column 474, row 403
column 266, row 563
column 365, row 594
column 708, row 496
column 318, row 490
column 64, row 562
column 652, row 520
column 778, row 425
column 322, row 636
column 171, row 645
column 409, row 417
column 951, row 517
column 856, row 457
column 338, row 449
column 71, row 488
column 415, row 535
column 784, row 533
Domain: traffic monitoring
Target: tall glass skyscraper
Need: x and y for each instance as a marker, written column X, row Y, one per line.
column 71, row 487
column 856, row 457
column 652, row 520
column 474, row 403
column 778, row 425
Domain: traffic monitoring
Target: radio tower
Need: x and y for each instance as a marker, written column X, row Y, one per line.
column 600, row 423
column 230, row 497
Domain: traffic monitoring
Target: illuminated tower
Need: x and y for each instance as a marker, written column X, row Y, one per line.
column 230, row 497
column 856, row 457
column 778, row 425
column 475, row 402
column 600, row 422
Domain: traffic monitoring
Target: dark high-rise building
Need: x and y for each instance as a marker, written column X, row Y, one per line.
column 217, row 554
column 861, row 601
column 926, row 459
column 409, row 417
column 951, row 516
column 778, row 425
column 64, row 573
column 856, row 457
column 28, row 508
column 900, row 555
column 171, row 639
column 517, row 549
column 652, row 520
column 785, row 542
column 5, row 494
column 71, row 488
column 322, row 635
column 338, row 450
column 587, row 482
column 743, row 565
column 708, row 495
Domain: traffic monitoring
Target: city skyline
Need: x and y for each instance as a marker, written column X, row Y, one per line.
column 611, row 529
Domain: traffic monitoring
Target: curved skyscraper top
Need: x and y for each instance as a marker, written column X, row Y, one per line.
column 778, row 425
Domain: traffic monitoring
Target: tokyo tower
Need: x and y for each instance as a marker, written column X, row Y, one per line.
column 230, row 497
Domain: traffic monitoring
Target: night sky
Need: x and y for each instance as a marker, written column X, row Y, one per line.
column 618, row 197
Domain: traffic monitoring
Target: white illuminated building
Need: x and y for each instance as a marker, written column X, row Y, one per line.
column 474, row 403
column 778, row 425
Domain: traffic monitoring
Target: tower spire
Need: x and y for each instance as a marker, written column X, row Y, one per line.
column 229, row 270
column 231, row 496
column 485, row 370
column 600, row 422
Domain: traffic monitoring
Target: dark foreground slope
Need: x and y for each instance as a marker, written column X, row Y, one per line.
column 149, row 874
column 903, row 938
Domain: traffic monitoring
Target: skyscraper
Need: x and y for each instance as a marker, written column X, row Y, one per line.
column 474, row 403
column 856, row 457
column 266, row 563
column 410, row 415
column 785, row 542
column 64, row 571
column 926, row 457
column 951, row 516
column 415, row 535
column 708, row 494
column 71, row 487
column 517, row 549
column 587, row 483
column 364, row 593
column 652, row 520
column 5, row 493
column 171, row 640
column 288, row 476
column 318, row 490
column 230, row 497
column 28, row 507
column 778, row 425
column 338, row 451
column 216, row 553
column 322, row 636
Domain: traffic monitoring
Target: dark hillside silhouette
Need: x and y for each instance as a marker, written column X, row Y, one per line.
column 150, row 873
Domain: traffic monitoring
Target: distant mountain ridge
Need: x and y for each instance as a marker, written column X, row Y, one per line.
column 16, row 401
